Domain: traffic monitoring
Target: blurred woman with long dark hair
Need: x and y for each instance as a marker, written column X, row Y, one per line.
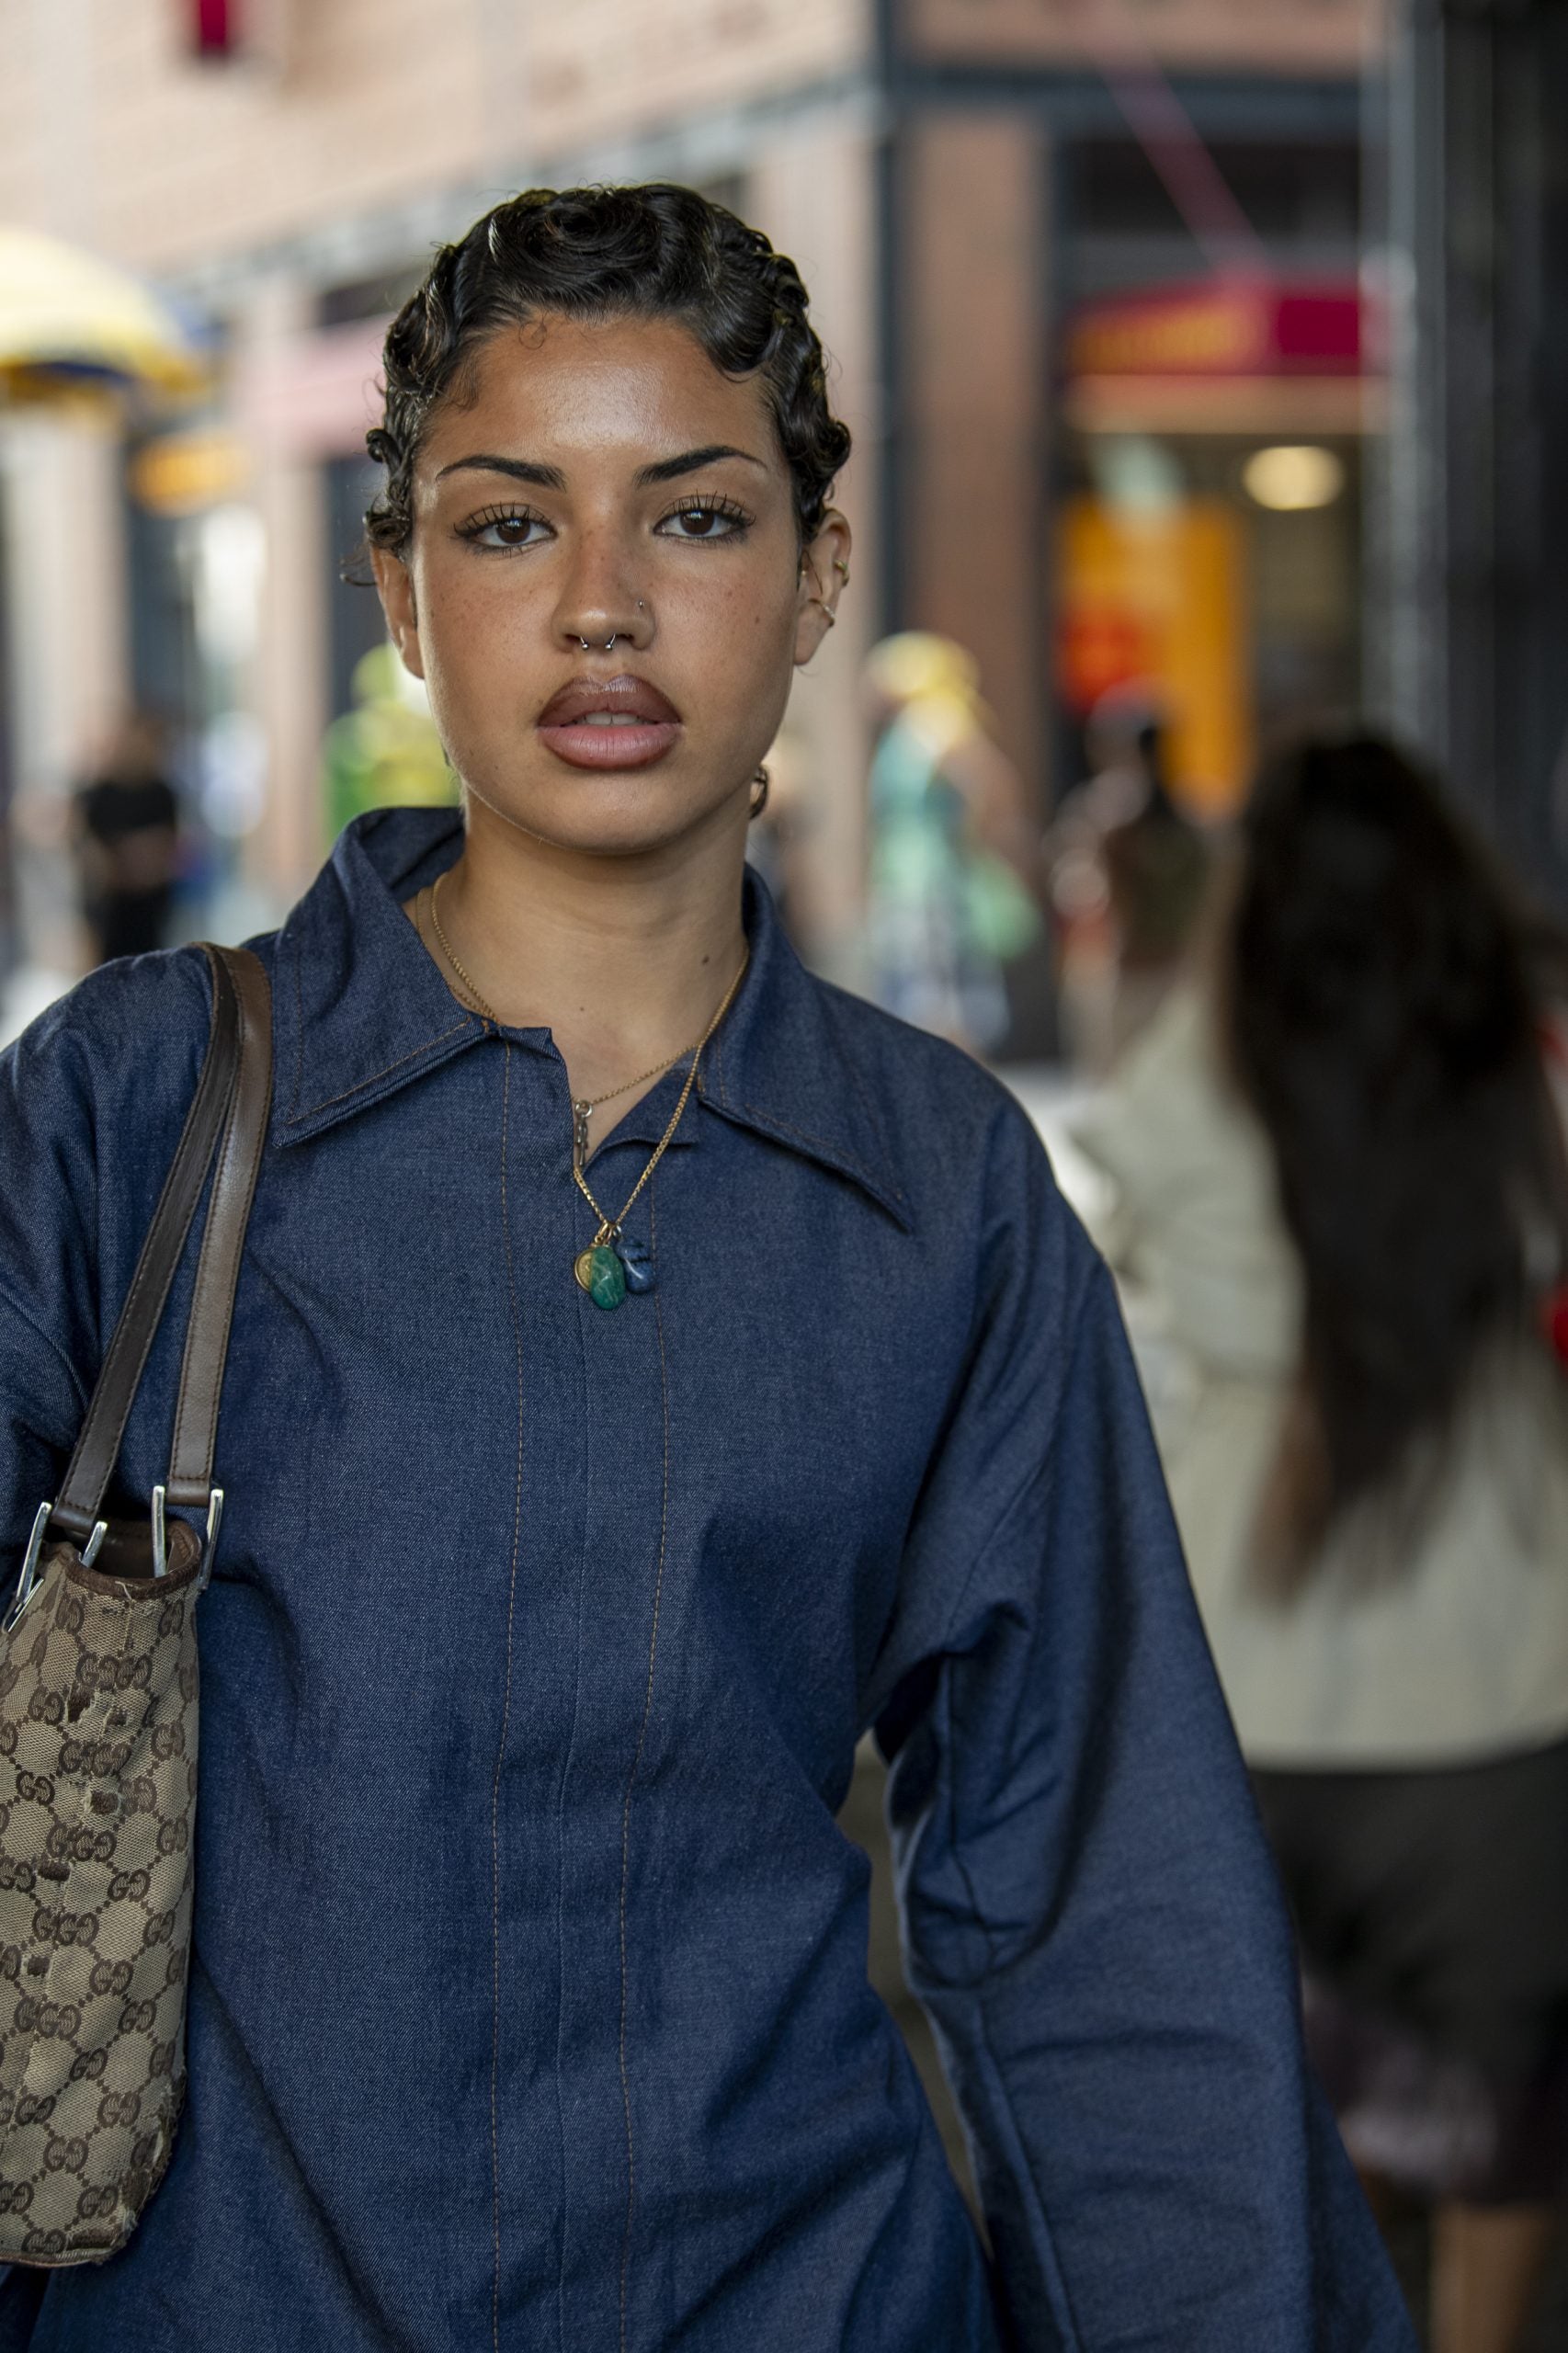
column 1341, row 1170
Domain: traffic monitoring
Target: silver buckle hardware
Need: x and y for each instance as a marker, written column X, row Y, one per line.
column 160, row 1534
column 27, row 1581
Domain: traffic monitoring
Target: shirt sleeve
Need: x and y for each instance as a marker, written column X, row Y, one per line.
column 92, row 1098
column 47, row 1272
column 1091, row 1918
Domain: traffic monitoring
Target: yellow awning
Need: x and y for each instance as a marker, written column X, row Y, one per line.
column 67, row 317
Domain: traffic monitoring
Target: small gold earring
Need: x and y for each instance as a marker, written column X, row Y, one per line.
column 842, row 569
column 759, row 784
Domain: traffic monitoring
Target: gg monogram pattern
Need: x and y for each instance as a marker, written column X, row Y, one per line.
column 98, row 1687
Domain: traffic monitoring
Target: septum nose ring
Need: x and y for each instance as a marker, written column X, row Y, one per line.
column 587, row 643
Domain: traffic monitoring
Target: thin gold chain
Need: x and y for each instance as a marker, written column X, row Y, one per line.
column 482, row 1003
column 582, row 1103
column 607, row 1225
column 423, row 910
column 592, row 1102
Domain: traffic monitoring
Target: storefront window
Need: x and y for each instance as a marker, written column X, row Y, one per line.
column 1215, row 397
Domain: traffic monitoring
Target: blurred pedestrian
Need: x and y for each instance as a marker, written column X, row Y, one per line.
column 951, row 895
column 1343, row 1175
column 652, row 1369
column 126, row 825
column 1128, row 873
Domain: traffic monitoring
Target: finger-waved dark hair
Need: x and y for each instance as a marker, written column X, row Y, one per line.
column 1383, row 1007
column 656, row 252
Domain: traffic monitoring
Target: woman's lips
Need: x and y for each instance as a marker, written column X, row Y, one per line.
column 619, row 743
column 622, row 723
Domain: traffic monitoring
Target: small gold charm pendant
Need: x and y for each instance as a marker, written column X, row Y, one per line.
column 600, row 1273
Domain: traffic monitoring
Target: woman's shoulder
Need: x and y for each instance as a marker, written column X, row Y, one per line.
column 1171, row 1126
column 93, row 1096
column 127, row 1041
column 120, row 1020
column 947, row 1120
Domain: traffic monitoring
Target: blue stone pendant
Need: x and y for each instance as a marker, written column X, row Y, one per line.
column 601, row 1275
column 637, row 1260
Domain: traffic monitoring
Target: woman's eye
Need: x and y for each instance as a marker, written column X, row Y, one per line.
column 507, row 528
column 705, row 519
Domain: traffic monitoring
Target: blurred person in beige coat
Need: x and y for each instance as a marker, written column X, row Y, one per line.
column 1342, row 1196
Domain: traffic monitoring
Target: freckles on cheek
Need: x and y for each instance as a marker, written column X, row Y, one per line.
column 463, row 637
column 764, row 617
column 447, row 644
column 452, row 604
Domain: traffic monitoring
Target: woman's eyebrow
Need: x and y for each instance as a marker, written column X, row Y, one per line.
column 484, row 462
column 519, row 469
column 671, row 469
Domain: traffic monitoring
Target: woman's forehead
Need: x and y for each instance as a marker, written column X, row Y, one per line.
column 629, row 388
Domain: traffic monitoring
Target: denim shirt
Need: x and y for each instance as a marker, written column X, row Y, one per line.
column 529, row 2006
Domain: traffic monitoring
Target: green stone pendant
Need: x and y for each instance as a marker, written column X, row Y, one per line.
column 601, row 1275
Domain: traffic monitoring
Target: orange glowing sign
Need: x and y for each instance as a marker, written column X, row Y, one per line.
column 1159, row 600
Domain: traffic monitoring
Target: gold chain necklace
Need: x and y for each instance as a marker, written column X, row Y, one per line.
column 583, row 1106
column 610, row 1266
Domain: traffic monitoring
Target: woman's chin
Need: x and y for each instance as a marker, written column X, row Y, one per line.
column 611, row 814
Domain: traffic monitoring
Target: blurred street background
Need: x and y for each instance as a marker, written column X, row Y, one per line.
column 1199, row 353
column 1208, row 367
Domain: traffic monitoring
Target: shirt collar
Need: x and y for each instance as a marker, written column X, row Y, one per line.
column 361, row 1010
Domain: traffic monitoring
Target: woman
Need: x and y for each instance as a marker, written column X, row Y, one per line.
column 1342, row 1177
column 1128, row 873
column 571, row 1542
column 948, row 909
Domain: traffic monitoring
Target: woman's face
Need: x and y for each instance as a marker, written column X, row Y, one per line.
column 606, row 480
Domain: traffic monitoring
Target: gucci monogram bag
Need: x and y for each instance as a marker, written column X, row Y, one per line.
column 98, row 1698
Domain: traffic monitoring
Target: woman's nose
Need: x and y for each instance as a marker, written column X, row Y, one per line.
column 600, row 603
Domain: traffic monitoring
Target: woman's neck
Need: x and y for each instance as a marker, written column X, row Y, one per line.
column 625, row 960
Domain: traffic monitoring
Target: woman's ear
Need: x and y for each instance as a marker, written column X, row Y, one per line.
column 825, row 575
column 394, row 585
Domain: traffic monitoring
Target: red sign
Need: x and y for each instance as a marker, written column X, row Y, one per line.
column 1100, row 647
column 214, row 26
column 1240, row 327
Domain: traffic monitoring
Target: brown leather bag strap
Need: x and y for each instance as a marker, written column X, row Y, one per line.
column 98, row 1448
column 233, row 1038
column 223, row 1242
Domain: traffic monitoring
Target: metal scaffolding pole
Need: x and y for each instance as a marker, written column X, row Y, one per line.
column 1468, row 641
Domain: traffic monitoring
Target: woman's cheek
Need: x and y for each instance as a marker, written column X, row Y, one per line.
column 466, row 674
column 453, row 680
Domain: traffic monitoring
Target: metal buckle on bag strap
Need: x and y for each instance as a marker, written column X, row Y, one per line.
column 28, row 1578
column 160, row 1534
